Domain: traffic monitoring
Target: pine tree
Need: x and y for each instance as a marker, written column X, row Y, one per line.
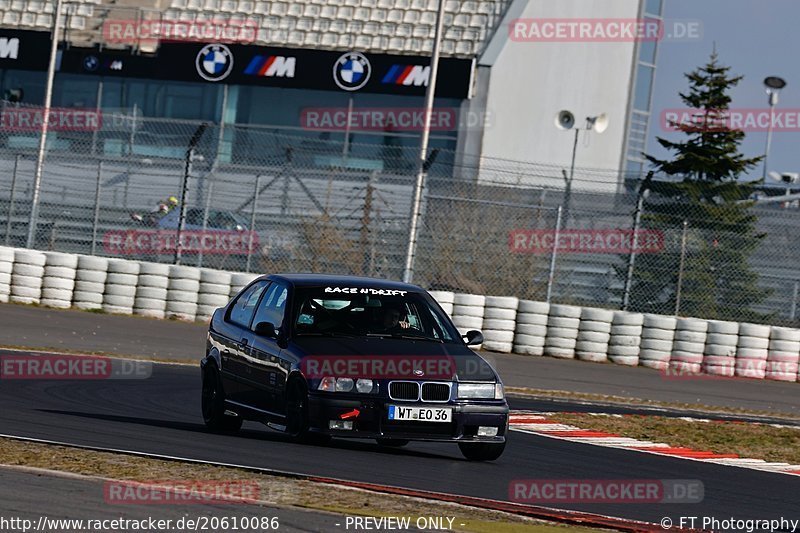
column 704, row 188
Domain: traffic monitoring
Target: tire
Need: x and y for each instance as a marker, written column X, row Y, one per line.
column 713, row 360
column 754, row 330
column 5, row 278
column 216, row 277
column 499, row 325
column 58, row 283
column 502, row 302
column 6, row 254
column 128, row 280
column 154, row 269
column 723, row 339
column 472, row 300
column 784, row 346
column 181, row 308
column 57, row 304
column 686, row 346
column 687, row 357
column 90, row 297
column 215, row 300
column 468, row 322
column 24, row 269
column 654, row 364
column 692, row 324
column 591, row 347
column 531, row 319
column 591, row 314
column 654, row 344
column 30, row 257
column 184, row 272
column 562, row 333
column 626, row 331
column 392, row 443
column 785, row 334
column 658, row 334
column 126, row 291
column 212, row 401
column 751, row 353
column 623, row 351
column 189, row 297
column 528, row 340
column 756, row 343
column 723, row 327
column 653, row 355
column 719, row 350
column 443, row 297
column 58, row 259
column 153, row 282
column 497, row 346
column 91, row 276
column 59, row 272
column 149, row 304
column 533, row 331
column 498, row 335
column 88, row 262
column 297, row 423
column 123, row 266
column 625, row 341
column 215, row 289
column 496, row 313
column 595, row 326
column 534, row 350
column 26, row 292
column 660, row 322
column 593, row 357
column 6, row 267
column 560, row 342
column 563, row 322
column 624, row 360
column 468, row 310
column 151, row 293
column 593, row 336
column 559, row 353
column 57, row 294
column 184, row 285
column 533, row 307
column 682, row 335
column 481, row 451
column 625, row 318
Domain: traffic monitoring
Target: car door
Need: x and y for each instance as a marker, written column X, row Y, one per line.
column 235, row 371
column 268, row 369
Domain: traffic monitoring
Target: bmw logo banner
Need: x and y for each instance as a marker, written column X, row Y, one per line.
column 352, row 71
column 214, row 62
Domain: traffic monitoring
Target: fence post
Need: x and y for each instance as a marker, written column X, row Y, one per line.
column 96, row 206
column 680, row 268
column 209, row 195
column 552, row 274
column 11, row 199
column 793, row 312
column 252, row 223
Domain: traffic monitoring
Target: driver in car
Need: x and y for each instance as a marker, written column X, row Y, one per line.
column 394, row 320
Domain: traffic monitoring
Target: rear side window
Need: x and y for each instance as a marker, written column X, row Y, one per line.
column 245, row 305
column 273, row 306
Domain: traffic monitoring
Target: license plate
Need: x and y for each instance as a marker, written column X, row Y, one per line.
column 421, row 414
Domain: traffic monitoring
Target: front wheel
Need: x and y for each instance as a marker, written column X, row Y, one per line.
column 481, row 451
column 213, row 404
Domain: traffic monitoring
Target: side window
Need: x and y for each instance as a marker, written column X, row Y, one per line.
column 245, row 305
column 273, row 306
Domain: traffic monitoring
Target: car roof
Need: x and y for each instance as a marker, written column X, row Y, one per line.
column 314, row 280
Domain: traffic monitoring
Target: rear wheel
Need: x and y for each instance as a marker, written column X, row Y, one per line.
column 213, row 403
column 481, row 451
column 392, row 443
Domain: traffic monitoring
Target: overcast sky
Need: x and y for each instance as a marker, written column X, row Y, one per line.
column 757, row 38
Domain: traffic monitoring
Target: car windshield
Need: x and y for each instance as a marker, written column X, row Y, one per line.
column 369, row 312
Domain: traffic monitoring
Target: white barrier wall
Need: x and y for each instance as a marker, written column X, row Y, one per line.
column 526, row 327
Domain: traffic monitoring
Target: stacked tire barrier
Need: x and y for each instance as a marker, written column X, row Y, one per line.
column 215, row 289
column 151, row 291
column 468, row 311
column 499, row 323
column 445, row 300
column 120, row 290
column 26, row 276
column 240, row 280
column 594, row 333
column 783, row 355
column 655, row 348
column 562, row 331
column 689, row 345
column 6, row 267
column 751, row 351
column 183, row 291
column 531, row 328
column 626, row 336
column 90, row 283
column 720, row 350
column 58, row 282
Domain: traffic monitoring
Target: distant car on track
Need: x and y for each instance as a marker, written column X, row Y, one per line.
column 335, row 356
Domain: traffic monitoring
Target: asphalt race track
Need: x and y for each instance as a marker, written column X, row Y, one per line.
column 160, row 415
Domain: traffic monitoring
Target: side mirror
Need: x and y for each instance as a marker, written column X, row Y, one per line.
column 474, row 337
column 267, row 329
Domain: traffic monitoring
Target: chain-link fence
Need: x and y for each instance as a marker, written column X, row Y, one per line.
column 266, row 199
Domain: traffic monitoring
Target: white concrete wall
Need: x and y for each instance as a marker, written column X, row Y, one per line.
column 531, row 81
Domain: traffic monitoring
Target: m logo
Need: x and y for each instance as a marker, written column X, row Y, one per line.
column 9, row 48
column 408, row 75
column 271, row 67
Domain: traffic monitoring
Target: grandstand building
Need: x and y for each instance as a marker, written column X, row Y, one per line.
column 297, row 67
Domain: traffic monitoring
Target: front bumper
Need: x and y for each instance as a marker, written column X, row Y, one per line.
column 373, row 421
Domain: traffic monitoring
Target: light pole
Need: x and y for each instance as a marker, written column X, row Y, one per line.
column 48, row 98
column 416, row 206
column 773, row 85
column 565, row 120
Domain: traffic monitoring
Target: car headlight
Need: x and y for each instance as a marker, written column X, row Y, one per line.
column 486, row 391
column 332, row 384
column 364, row 385
column 344, row 384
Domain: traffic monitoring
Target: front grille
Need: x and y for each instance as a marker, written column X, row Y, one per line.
column 435, row 392
column 404, row 390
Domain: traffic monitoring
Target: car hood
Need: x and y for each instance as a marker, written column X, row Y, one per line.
column 439, row 361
